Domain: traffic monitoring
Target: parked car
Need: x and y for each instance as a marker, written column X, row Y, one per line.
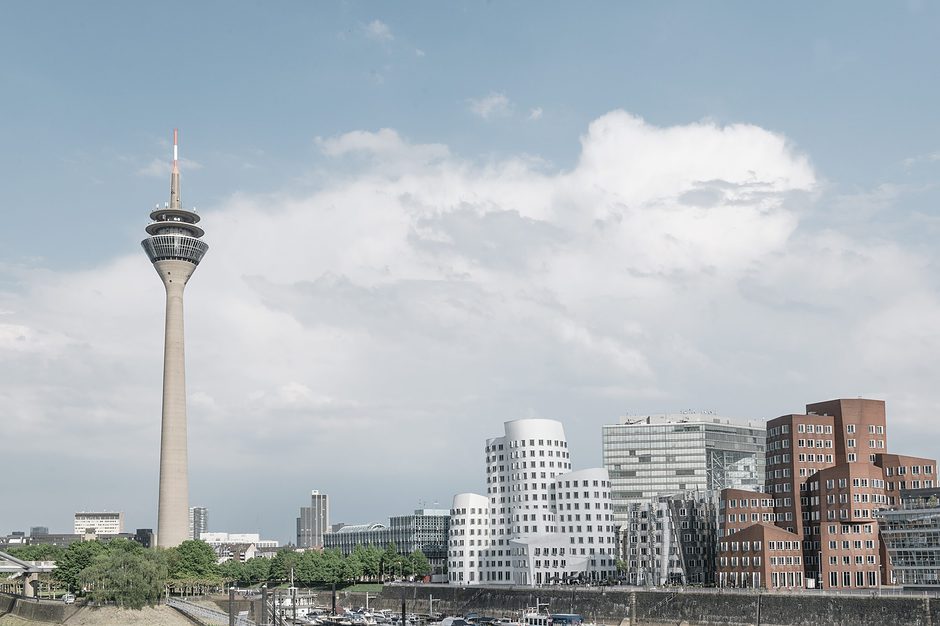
column 68, row 598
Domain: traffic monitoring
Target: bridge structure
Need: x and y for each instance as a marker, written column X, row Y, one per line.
column 29, row 571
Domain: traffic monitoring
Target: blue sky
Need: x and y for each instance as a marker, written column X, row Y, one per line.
column 92, row 87
column 493, row 106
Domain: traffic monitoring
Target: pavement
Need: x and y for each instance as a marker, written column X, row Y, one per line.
column 112, row 616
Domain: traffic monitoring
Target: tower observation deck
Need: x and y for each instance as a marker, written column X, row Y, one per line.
column 175, row 248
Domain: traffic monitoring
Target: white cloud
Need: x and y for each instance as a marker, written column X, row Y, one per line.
column 379, row 31
column 930, row 157
column 535, row 114
column 419, row 52
column 418, row 299
column 490, row 106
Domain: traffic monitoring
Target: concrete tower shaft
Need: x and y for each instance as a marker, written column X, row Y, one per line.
column 175, row 249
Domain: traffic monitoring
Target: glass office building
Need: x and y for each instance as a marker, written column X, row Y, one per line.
column 911, row 535
column 661, row 455
column 425, row 530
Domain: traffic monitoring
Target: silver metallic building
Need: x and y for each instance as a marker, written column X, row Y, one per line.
column 911, row 536
column 652, row 456
column 425, row 530
column 672, row 540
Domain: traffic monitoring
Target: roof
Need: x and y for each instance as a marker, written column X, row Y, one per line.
column 360, row 528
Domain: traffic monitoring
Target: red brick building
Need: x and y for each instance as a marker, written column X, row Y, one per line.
column 828, row 471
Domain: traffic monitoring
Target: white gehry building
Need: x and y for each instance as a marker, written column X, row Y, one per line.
column 539, row 522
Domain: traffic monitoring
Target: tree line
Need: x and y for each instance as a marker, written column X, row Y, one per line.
column 124, row 573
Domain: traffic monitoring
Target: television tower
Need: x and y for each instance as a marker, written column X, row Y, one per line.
column 175, row 249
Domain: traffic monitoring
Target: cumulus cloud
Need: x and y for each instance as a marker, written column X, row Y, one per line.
column 379, row 31
column 371, row 334
column 490, row 106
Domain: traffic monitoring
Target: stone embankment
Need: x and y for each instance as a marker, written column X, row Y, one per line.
column 614, row 605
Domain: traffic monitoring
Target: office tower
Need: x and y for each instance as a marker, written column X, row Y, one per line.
column 36, row 531
column 540, row 522
column 175, row 249
column 99, row 523
column 661, row 455
column 198, row 521
column 314, row 521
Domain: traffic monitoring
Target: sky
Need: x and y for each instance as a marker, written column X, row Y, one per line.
column 425, row 219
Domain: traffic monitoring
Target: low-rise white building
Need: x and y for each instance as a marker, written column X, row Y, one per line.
column 217, row 539
column 540, row 523
column 99, row 523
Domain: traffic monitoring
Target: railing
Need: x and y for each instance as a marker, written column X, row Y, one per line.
column 205, row 614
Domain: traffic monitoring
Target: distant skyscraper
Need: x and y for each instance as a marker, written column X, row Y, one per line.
column 314, row 521
column 198, row 521
column 175, row 250
column 36, row 531
column 662, row 455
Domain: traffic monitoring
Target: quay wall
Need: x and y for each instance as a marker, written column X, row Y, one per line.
column 615, row 606
column 50, row 611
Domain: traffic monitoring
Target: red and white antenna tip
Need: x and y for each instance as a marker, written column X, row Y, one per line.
column 176, row 148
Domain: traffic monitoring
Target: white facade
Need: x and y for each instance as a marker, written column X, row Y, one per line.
column 215, row 539
column 468, row 537
column 101, row 523
column 542, row 522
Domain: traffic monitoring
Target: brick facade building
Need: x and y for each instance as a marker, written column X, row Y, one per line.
column 828, row 472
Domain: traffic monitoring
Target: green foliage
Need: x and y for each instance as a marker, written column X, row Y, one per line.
column 36, row 552
column 76, row 558
column 370, row 557
column 621, row 565
column 282, row 563
column 192, row 560
column 420, row 564
column 251, row 572
column 126, row 574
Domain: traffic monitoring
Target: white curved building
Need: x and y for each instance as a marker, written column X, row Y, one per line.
column 542, row 523
column 469, row 535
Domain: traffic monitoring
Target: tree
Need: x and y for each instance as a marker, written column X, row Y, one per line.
column 76, row 557
column 192, row 559
column 331, row 566
column 37, row 552
column 282, row 563
column 256, row 570
column 234, row 570
column 420, row 564
column 390, row 560
column 371, row 559
column 126, row 574
column 352, row 568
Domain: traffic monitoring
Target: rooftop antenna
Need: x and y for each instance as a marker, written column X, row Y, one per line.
column 175, row 174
